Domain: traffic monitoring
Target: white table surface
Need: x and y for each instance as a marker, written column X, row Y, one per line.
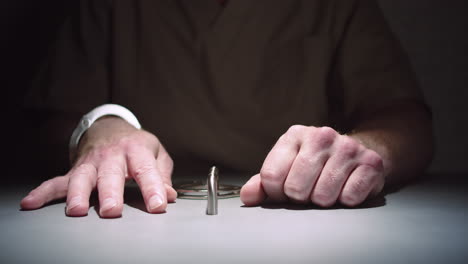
column 422, row 223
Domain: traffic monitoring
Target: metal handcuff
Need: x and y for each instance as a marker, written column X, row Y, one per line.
column 211, row 191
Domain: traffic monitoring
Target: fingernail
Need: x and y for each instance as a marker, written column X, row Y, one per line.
column 108, row 204
column 74, row 202
column 154, row 202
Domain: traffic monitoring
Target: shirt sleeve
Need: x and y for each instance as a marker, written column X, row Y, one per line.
column 372, row 67
column 75, row 76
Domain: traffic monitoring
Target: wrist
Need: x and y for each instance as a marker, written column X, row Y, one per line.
column 88, row 120
column 373, row 140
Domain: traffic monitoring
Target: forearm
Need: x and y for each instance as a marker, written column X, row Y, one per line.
column 402, row 136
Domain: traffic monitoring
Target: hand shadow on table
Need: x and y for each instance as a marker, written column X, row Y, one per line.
column 134, row 198
column 377, row 201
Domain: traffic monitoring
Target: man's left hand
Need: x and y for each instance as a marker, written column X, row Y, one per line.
column 318, row 165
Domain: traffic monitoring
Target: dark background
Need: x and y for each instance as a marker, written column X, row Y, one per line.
column 434, row 33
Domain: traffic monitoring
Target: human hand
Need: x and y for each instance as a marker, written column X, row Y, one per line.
column 111, row 152
column 318, row 165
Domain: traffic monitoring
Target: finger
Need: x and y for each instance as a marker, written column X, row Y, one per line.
column 278, row 163
column 171, row 193
column 49, row 190
column 110, row 183
column 363, row 180
column 342, row 162
column 368, row 180
column 165, row 165
column 252, row 192
column 82, row 182
column 304, row 173
column 142, row 167
column 315, row 151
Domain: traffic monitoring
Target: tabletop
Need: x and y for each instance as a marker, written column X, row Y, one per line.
column 422, row 223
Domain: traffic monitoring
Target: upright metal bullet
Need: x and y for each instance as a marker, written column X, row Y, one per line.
column 212, row 186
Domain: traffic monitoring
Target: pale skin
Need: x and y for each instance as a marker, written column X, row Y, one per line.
column 111, row 152
column 307, row 164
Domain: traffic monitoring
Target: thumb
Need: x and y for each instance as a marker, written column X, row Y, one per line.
column 252, row 192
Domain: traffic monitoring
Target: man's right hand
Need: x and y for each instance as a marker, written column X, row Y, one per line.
column 111, row 152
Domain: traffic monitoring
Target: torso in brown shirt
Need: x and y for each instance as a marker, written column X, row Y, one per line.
column 221, row 84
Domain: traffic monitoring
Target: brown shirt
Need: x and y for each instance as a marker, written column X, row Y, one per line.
column 222, row 84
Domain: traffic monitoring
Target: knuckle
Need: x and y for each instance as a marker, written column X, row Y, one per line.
column 135, row 146
column 105, row 152
column 144, row 139
column 304, row 162
column 152, row 138
column 349, row 199
column 323, row 199
column 142, row 170
column 296, row 129
column 270, row 174
column 348, row 147
column 126, row 141
column 326, row 132
column 324, row 136
column 145, row 135
column 296, row 191
column 138, row 140
column 48, row 185
column 111, row 171
column 85, row 169
column 315, row 160
column 373, row 159
column 285, row 138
